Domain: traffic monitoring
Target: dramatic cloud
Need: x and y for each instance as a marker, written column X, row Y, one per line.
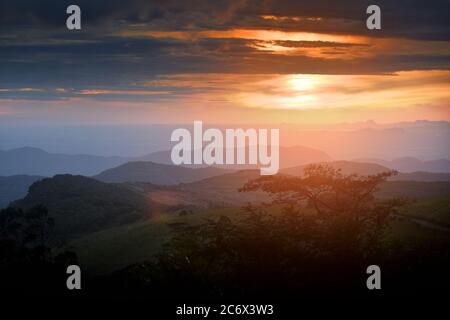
column 159, row 56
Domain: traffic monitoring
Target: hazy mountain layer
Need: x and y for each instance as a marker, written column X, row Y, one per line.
column 15, row 187
column 161, row 174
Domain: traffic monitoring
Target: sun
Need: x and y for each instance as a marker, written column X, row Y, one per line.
column 301, row 83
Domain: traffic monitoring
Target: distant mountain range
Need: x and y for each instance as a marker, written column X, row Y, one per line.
column 15, row 187
column 289, row 157
column 161, row 174
column 34, row 161
column 344, row 141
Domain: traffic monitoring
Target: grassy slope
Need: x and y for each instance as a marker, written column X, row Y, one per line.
column 115, row 248
column 414, row 189
column 412, row 235
column 111, row 249
column 435, row 210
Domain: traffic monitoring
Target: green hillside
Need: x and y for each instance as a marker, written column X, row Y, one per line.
column 414, row 189
column 115, row 248
column 111, row 226
column 81, row 205
column 109, row 250
column 434, row 210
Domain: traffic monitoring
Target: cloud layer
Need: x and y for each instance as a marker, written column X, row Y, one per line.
column 137, row 52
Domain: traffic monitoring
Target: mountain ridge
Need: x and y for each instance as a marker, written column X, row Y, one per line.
column 81, row 204
column 15, row 187
column 36, row 161
column 156, row 173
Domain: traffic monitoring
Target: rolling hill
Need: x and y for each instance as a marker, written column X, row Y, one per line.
column 223, row 190
column 347, row 167
column 81, row 205
column 34, row 161
column 366, row 168
column 289, row 157
column 161, row 174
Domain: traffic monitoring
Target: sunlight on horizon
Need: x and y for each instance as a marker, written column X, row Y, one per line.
column 305, row 98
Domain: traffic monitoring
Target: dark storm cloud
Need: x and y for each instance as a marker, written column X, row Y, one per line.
column 87, row 61
column 126, row 63
column 37, row 51
column 418, row 19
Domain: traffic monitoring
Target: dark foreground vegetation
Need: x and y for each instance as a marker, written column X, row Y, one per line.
column 318, row 234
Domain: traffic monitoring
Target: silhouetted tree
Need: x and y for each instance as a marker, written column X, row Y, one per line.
column 342, row 209
column 27, row 263
column 320, row 231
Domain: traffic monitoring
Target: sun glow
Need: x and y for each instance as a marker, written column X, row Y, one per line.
column 250, row 34
column 301, row 82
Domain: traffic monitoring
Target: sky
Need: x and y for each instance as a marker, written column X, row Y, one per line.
column 299, row 62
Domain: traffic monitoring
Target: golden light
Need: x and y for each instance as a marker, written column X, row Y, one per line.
column 250, row 34
column 271, row 41
column 301, row 82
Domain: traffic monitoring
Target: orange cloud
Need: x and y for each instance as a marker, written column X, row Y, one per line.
column 250, row 34
column 269, row 98
column 328, row 45
column 319, row 98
